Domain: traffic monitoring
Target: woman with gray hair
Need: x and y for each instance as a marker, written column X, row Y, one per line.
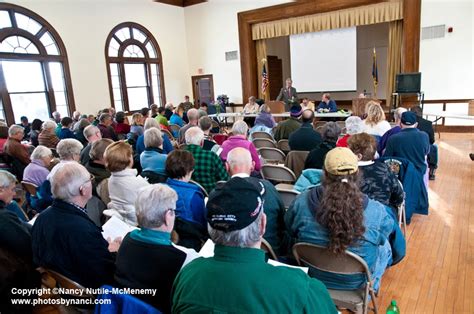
column 239, row 139
column 37, row 171
column 48, row 137
column 316, row 157
column 152, row 123
column 153, row 159
column 354, row 125
column 147, row 258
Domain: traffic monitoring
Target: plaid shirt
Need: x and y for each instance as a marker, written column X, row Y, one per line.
column 208, row 168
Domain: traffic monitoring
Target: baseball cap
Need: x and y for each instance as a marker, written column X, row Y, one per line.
column 341, row 161
column 235, row 205
column 408, row 118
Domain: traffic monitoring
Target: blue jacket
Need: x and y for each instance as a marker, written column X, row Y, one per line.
column 380, row 227
column 309, row 178
column 167, row 146
column 66, row 133
column 122, row 303
column 190, row 205
column 64, row 239
column 416, row 195
column 331, row 106
column 176, row 119
column 153, row 160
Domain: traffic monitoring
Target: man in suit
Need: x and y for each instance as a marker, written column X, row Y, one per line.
column 288, row 94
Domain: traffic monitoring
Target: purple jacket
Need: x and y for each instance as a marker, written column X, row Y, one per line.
column 385, row 137
column 240, row 141
column 35, row 172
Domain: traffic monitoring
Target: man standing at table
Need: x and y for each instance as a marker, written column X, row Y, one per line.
column 327, row 104
column 288, row 94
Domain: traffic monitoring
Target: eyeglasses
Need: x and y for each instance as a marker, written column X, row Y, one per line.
column 91, row 179
column 172, row 210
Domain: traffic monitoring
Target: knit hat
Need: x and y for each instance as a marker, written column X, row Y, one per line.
column 408, row 118
column 295, row 111
column 236, row 205
column 341, row 161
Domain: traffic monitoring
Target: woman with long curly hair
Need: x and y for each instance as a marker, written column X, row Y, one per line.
column 375, row 123
column 339, row 216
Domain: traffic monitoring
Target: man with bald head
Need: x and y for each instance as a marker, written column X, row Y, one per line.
column 193, row 117
column 65, row 239
column 305, row 138
column 239, row 163
column 92, row 134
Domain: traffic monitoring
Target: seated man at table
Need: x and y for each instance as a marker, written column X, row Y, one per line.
column 305, row 138
column 237, row 279
column 327, row 104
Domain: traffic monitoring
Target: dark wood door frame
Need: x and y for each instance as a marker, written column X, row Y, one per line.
column 194, row 79
column 248, row 54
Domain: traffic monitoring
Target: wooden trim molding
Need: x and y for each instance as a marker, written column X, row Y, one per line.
column 248, row 58
column 181, row 3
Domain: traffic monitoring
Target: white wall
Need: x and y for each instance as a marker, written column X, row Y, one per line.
column 447, row 64
column 211, row 30
column 84, row 26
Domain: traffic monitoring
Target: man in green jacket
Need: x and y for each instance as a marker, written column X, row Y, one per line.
column 237, row 279
column 285, row 128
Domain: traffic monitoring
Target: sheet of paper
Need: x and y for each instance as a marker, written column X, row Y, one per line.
column 114, row 227
column 32, row 221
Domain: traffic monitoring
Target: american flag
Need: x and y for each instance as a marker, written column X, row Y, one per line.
column 264, row 79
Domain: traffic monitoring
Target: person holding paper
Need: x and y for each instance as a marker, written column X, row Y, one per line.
column 147, row 259
column 237, row 279
column 288, row 94
column 65, row 239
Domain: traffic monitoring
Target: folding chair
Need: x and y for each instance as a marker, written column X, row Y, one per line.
column 402, row 217
column 174, row 128
column 287, row 195
column 260, row 134
column 322, row 259
column 278, row 174
column 272, row 155
column 267, row 248
column 284, row 146
column 295, row 161
column 263, row 142
column 203, row 190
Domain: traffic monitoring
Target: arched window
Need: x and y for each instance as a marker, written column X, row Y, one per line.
column 134, row 68
column 34, row 71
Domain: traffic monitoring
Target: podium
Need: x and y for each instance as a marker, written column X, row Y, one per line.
column 276, row 106
column 358, row 105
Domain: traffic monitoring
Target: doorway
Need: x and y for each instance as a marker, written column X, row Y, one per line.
column 203, row 89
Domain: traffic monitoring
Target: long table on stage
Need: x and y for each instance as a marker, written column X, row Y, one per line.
column 279, row 115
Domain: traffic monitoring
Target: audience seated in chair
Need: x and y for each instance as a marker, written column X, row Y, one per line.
column 140, row 145
column 239, row 139
column 96, row 163
column 153, row 159
column 330, row 134
column 48, row 136
column 16, row 152
column 37, row 171
column 34, row 132
column 286, row 127
column 397, row 115
column 81, row 253
column 137, row 124
column 177, row 118
column 305, row 138
column 239, row 265
column 65, row 131
column 124, row 183
column 208, row 167
column 92, row 134
column 79, row 131
column 161, row 119
column 353, row 125
column 338, row 215
column 427, row 127
column 239, row 164
column 122, row 127
column 205, row 123
column 375, row 123
column 264, row 122
column 106, row 128
column 147, row 259
column 377, row 181
column 193, row 118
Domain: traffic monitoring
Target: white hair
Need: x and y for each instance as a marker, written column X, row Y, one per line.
column 49, row 125
column 194, row 135
column 239, row 156
column 354, row 125
column 397, row 113
column 41, row 152
column 153, row 138
column 90, row 130
column 150, row 123
column 15, row 129
column 169, row 106
column 68, row 148
column 246, row 237
column 6, row 179
column 152, row 203
column 240, row 128
column 56, row 114
column 67, row 180
column 76, row 114
column 193, row 114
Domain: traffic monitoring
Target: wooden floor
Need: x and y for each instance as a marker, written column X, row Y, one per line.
column 437, row 274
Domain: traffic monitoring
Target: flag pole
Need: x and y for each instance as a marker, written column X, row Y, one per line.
column 375, row 73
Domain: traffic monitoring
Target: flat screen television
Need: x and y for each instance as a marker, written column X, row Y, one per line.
column 408, row 83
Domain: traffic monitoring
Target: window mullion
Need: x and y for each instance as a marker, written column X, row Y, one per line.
column 49, row 87
column 123, row 86
column 6, row 102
